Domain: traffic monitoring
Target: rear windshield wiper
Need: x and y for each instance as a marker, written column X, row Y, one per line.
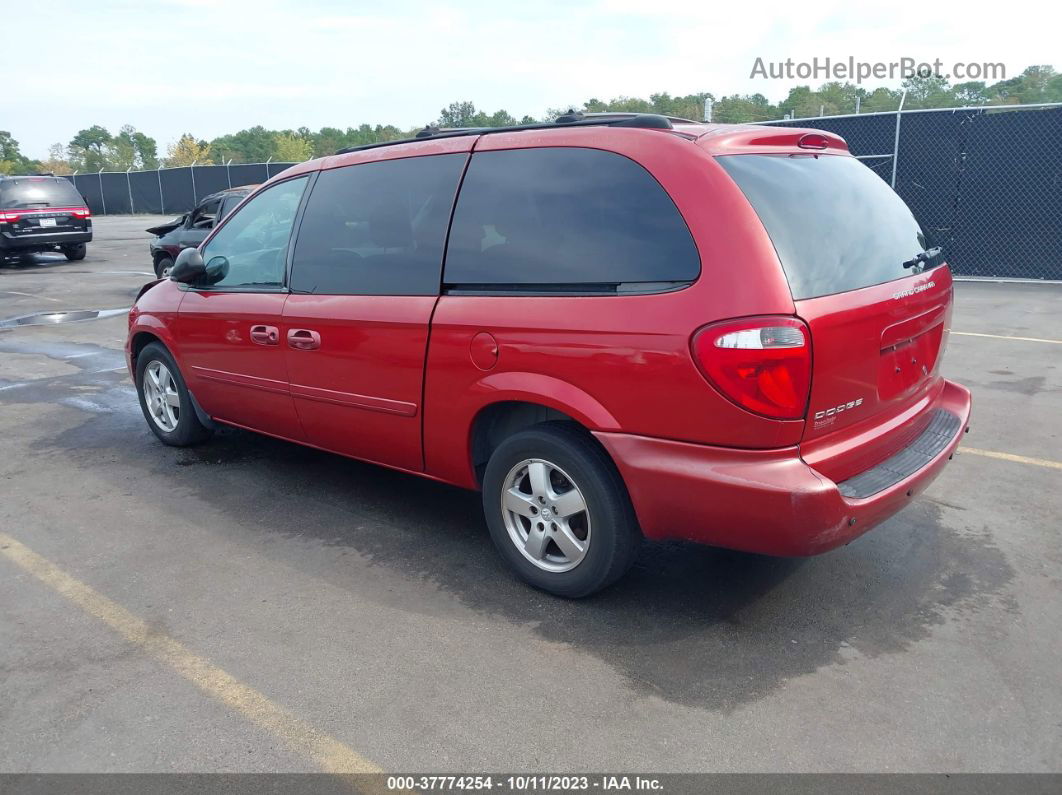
column 924, row 256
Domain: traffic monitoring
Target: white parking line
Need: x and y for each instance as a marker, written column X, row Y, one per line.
column 31, row 295
column 1005, row 337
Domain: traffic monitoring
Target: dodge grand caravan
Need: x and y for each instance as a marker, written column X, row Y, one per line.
column 614, row 327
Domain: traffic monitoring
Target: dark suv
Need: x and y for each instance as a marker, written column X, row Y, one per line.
column 42, row 214
column 191, row 229
column 613, row 327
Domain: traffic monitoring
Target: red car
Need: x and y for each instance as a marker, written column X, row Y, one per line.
column 615, row 327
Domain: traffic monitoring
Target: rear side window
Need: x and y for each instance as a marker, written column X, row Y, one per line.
column 565, row 217
column 377, row 228
column 32, row 192
column 835, row 224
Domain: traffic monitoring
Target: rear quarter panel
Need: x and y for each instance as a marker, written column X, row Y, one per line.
column 614, row 363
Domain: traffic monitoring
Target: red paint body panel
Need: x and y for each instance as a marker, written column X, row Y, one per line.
column 770, row 501
column 400, row 380
column 233, row 378
column 359, row 393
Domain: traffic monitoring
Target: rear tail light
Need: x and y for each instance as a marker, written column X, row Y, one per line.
column 762, row 364
column 81, row 212
column 9, row 216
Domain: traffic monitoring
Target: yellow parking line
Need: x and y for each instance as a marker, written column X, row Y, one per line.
column 1018, row 459
column 1004, row 337
column 327, row 752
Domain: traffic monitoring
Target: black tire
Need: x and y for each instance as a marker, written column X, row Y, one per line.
column 188, row 429
column 74, row 252
column 613, row 536
column 162, row 267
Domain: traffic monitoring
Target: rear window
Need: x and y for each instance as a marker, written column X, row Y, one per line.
column 33, row 192
column 565, row 218
column 835, row 224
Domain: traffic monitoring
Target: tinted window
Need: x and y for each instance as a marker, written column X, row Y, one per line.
column 377, row 228
column 565, row 216
column 39, row 192
column 835, row 224
column 229, row 204
column 250, row 250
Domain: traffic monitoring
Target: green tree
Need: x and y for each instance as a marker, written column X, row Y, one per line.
column 972, row 92
column 57, row 162
column 12, row 161
column 131, row 149
column 290, row 148
column 253, row 145
column 739, row 108
column 928, row 92
column 464, row 114
column 88, row 149
column 186, row 150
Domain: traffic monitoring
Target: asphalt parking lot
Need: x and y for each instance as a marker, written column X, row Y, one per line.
column 251, row 605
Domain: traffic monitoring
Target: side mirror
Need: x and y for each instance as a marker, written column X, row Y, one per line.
column 216, row 270
column 189, row 267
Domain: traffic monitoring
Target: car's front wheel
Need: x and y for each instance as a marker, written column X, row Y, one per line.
column 74, row 252
column 165, row 400
column 558, row 511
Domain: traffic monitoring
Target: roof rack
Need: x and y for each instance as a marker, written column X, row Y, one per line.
column 572, row 118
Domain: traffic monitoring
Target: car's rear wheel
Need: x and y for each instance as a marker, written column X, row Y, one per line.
column 163, row 266
column 165, row 400
column 558, row 511
column 76, row 251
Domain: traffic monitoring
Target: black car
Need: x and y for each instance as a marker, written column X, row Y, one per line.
column 42, row 213
column 191, row 229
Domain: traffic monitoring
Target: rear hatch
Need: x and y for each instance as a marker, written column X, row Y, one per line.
column 33, row 206
column 878, row 328
column 166, row 228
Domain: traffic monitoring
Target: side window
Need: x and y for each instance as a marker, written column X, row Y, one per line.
column 204, row 215
column 565, row 216
column 250, row 250
column 377, row 228
column 228, row 204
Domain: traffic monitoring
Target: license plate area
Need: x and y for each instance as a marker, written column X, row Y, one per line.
column 906, row 365
column 46, row 222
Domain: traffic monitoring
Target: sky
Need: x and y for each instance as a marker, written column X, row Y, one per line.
column 211, row 67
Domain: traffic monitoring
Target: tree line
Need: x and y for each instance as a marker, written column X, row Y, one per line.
column 97, row 148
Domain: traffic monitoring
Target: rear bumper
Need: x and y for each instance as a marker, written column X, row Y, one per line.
column 9, row 242
column 764, row 501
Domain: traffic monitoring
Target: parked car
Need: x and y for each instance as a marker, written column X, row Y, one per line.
column 42, row 213
column 191, row 228
column 613, row 327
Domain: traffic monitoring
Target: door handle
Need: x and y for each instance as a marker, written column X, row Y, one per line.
column 304, row 339
column 265, row 335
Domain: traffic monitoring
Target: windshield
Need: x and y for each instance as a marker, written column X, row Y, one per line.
column 835, row 224
column 31, row 192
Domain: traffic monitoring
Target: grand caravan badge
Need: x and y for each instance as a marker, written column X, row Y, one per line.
column 914, row 290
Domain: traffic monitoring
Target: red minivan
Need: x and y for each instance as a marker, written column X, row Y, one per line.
column 615, row 327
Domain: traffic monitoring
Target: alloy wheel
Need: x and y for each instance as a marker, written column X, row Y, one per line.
column 160, row 396
column 546, row 515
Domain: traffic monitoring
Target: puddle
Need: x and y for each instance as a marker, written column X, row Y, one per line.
column 54, row 318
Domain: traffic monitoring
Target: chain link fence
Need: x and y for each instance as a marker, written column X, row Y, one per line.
column 166, row 190
column 985, row 183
